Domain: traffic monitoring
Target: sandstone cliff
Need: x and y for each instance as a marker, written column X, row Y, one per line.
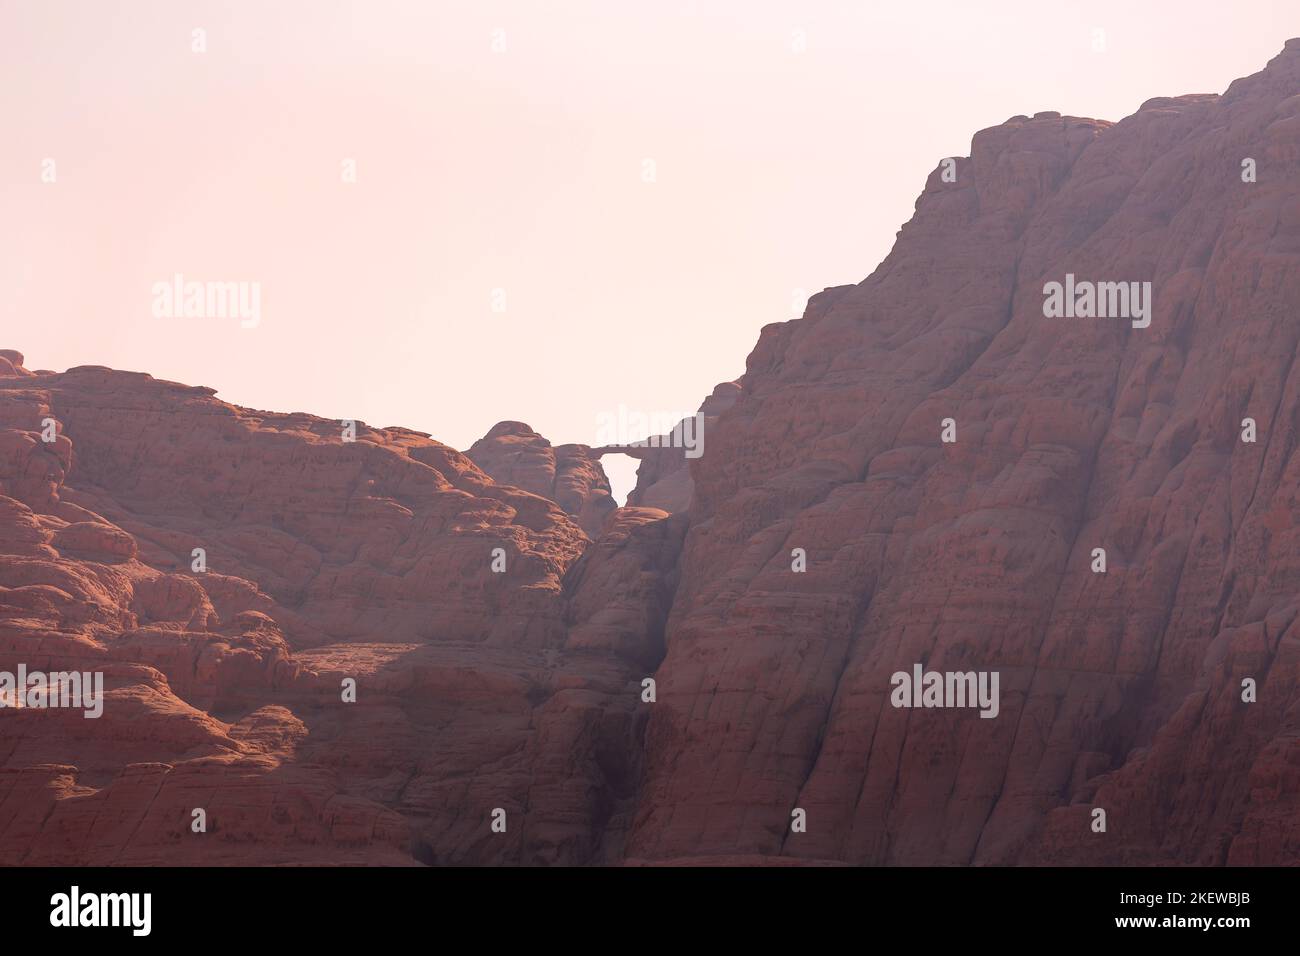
column 524, row 689
column 1120, row 691
column 323, row 561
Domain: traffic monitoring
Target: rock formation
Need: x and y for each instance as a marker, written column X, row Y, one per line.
column 511, row 453
column 663, row 479
column 318, row 561
column 1119, row 690
column 921, row 471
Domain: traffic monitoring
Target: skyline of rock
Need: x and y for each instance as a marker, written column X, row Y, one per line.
column 919, row 472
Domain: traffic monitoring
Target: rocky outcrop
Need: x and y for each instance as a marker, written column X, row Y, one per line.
column 663, row 479
column 621, row 590
column 929, row 470
column 511, row 453
column 234, row 575
column 1120, row 691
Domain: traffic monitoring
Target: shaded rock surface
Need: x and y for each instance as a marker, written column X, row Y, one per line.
column 1120, row 691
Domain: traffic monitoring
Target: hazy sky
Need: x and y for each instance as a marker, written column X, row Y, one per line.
column 507, row 146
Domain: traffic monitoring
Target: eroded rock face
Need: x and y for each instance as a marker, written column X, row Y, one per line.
column 570, row 475
column 1119, row 690
column 227, row 571
column 663, row 479
column 828, row 538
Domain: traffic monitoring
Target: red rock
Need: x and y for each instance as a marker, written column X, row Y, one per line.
column 224, row 686
column 11, row 363
column 570, row 475
column 1120, row 690
column 620, row 591
column 663, row 479
column 95, row 539
column 330, row 562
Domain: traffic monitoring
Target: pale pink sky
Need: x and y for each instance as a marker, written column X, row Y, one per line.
column 778, row 170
